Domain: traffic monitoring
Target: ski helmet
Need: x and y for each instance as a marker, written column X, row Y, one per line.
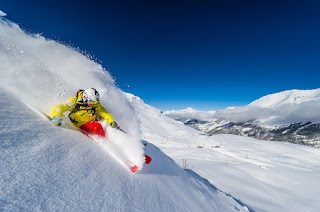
column 91, row 96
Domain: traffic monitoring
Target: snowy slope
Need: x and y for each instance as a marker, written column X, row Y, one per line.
column 47, row 168
column 265, row 176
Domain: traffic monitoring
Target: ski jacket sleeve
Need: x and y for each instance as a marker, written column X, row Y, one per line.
column 104, row 113
column 59, row 109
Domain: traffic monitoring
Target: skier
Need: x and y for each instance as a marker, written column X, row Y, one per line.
column 85, row 109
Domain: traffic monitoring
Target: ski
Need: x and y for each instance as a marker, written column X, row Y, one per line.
column 132, row 167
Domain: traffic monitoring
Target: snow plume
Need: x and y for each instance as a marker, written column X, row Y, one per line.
column 43, row 73
column 2, row 13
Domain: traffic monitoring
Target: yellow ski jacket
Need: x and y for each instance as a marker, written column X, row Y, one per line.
column 79, row 112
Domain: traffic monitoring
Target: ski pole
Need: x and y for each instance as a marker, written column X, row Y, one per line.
column 122, row 130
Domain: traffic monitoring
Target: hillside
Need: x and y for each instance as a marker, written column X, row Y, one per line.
column 263, row 175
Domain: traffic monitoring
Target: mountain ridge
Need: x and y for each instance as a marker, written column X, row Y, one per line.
column 289, row 116
column 264, row 175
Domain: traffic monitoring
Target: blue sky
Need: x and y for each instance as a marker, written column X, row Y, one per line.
column 178, row 54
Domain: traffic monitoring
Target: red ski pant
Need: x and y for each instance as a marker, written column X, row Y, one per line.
column 93, row 128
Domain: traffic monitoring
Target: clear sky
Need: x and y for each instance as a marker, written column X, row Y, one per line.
column 188, row 53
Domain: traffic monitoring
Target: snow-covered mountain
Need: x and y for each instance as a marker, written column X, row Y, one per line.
column 265, row 176
column 289, row 97
column 290, row 116
column 47, row 168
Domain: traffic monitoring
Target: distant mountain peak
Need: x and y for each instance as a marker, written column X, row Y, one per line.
column 189, row 110
column 287, row 97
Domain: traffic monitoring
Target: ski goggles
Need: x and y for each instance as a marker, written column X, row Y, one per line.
column 92, row 102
